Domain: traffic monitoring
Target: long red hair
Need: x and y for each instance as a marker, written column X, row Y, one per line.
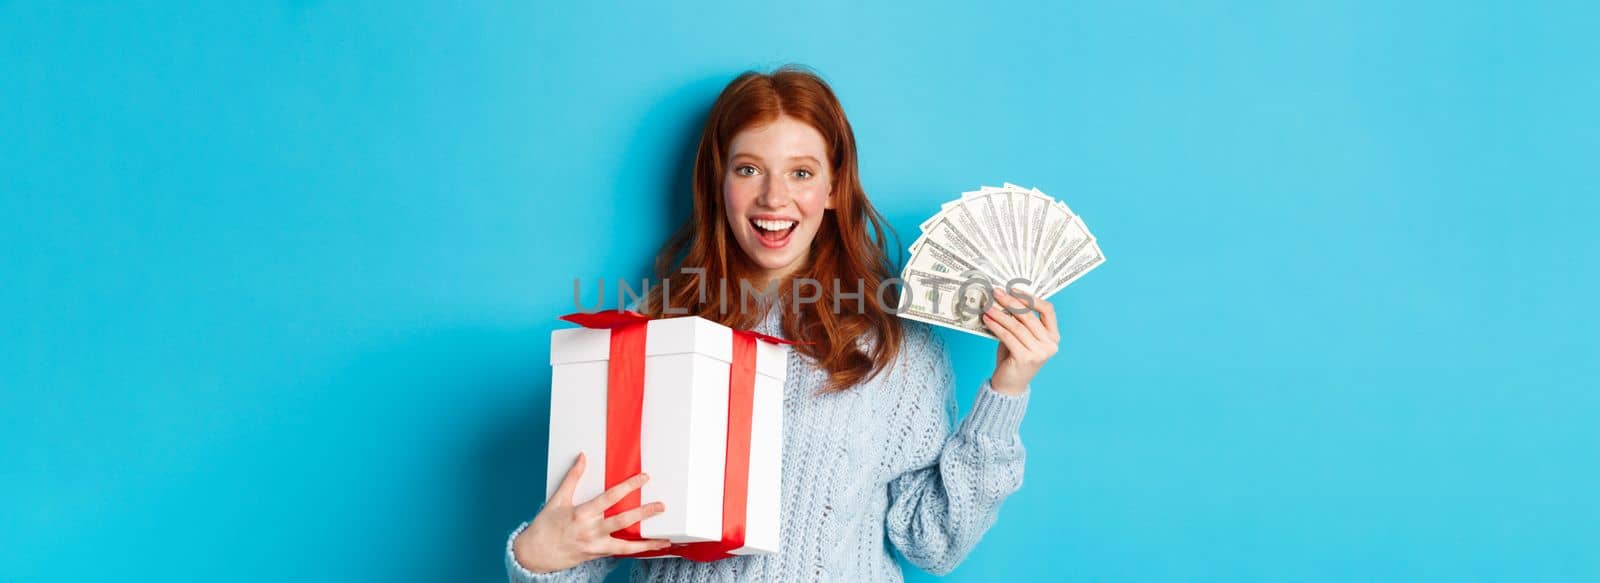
column 848, row 248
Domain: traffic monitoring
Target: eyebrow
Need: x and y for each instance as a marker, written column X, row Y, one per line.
column 813, row 159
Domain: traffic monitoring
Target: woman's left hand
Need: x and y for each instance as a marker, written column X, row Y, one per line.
column 1027, row 339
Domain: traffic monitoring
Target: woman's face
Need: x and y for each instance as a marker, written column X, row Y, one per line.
column 777, row 186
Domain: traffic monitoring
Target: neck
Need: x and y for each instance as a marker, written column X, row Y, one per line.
column 761, row 280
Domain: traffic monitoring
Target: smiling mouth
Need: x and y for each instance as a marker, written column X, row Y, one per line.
column 773, row 233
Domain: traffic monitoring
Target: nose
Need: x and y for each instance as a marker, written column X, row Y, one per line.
column 774, row 193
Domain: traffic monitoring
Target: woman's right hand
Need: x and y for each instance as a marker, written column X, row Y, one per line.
column 564, row 535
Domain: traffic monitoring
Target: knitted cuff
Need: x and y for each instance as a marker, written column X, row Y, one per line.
column 520, row 574
column 996, row 414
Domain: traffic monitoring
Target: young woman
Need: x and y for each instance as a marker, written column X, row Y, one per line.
column 869, row 457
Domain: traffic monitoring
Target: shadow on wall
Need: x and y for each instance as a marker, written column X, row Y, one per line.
column 658, row 168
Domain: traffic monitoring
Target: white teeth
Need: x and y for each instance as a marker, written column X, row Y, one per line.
column 773, row 225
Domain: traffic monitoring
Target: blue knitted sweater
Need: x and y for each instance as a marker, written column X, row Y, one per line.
column 864, row 470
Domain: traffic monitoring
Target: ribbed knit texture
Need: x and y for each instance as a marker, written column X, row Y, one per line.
column 866, row 470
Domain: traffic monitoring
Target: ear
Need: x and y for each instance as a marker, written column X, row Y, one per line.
column 828, row 205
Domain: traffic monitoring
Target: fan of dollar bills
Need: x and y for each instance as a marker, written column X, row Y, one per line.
column 1007, row 237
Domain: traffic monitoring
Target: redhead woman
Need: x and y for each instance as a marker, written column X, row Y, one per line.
column 873, row 460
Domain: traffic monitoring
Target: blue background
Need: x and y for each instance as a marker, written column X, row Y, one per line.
column 278, row 277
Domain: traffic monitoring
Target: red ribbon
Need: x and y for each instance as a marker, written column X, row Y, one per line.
column 625, row 405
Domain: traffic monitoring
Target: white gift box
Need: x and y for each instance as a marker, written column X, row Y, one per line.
column 683, row 427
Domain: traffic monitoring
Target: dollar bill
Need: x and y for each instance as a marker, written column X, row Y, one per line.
column 946, row 301
column 987, row 207
column 1083, row 262
column 1072, row 237
column 1015, row 207
column 1057, row 219
column 930, row 257
column 966, row 221
column 1037, row 208
column 943, row 232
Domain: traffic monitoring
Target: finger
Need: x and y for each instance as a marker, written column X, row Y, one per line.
column 628, row 547
column 1011, row 323
column 1007, row 337
column 1047, row 316
column 1037, row 346
column 624, row 519
column 1034, row 326
column 611, row 497
column 1016, row 297
column 1022, row 307
column 1014, row 304
column 569, row 483
column 1017, row 306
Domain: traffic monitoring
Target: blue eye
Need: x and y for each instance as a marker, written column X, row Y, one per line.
column 803, row 173
column 741, row 170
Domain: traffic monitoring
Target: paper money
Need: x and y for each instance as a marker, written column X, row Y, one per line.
column 993, row 237
column 942, row 300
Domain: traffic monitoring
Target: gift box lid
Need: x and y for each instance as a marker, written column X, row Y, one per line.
column 688, row 334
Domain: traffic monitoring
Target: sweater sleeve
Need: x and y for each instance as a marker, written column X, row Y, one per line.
column 941, row 507
column 594, row 570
